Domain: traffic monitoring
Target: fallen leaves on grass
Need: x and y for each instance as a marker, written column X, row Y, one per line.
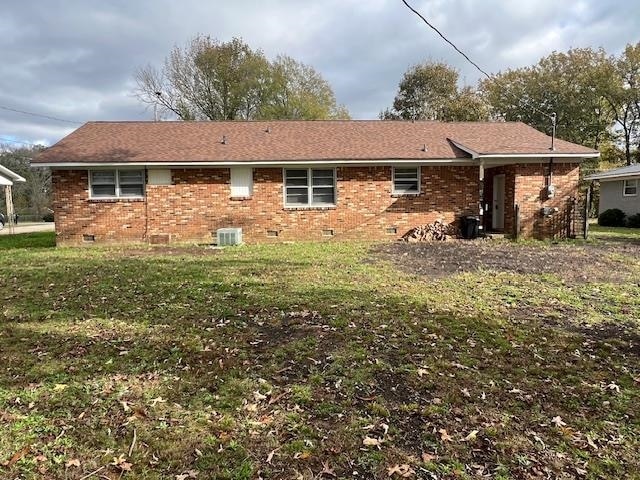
column 74, row 462
column 444, row 435
column 404, row 471
column 16, row 456
column 187, row 474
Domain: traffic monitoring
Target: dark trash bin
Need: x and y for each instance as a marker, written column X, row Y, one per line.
column 469, row 226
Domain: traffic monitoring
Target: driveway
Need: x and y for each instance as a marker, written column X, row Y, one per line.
column 29, row 227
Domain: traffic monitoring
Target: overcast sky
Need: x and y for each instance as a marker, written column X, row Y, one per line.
column 75, row 59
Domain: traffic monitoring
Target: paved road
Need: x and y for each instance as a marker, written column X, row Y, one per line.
column 29, row 227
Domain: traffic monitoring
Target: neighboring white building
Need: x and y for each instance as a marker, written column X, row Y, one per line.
column 7, row 178
column 619, row 188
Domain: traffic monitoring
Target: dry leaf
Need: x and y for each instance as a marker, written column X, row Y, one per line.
column 157, row 400
column 74, row 462
column 427, row 457
column 404, row 471
column 422, row 371
column 59, row 387
column 557, row 421
column 16, row 456
column 472, row 436
column 371, row 442
column 444, row 436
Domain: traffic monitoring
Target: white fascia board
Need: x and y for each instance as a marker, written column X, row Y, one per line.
column 539, row 155
column 5, row 172
column 518, row 156
column 627, row 176
column 287, row 164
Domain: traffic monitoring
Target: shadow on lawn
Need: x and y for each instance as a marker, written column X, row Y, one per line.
column 28, row 240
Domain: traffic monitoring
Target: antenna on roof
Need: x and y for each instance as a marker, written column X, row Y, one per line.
column 553, row 131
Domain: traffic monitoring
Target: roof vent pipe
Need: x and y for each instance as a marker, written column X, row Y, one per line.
column 268, row 130
column 424, row 147
column 224, row 140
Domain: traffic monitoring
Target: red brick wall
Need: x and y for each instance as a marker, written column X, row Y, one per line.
column 199, row 202
column 525, row 186
column 76, row 215
column 530, row 196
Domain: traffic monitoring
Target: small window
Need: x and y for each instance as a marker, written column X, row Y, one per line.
column 630, row 188
column 241, row 182
column 312, row 187
column 406, row 180
column 116, row 183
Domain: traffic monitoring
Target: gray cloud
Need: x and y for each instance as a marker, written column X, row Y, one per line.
column 75, row 59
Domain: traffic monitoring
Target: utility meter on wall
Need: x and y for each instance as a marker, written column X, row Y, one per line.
column 551, row 191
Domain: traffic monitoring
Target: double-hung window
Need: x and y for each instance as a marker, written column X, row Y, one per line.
column 310, row 187
column 406, row 181
column 630, row 188
column 116, row 183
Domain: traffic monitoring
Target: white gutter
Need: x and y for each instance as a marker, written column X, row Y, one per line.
column 365, row 163
column 5, row 172
column 475, row 154
column 630, row 176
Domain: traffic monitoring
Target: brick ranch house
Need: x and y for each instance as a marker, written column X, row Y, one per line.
column 305, row 180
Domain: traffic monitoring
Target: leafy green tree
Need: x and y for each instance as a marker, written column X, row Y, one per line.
column 298, row 91
column 624, row 99
column 214, row 80
column 574, row 85
column 429, row 91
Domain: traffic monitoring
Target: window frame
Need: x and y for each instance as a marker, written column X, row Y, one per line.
column 394, row 191
column 625, row 186
column 310, row 187
column 118, row 193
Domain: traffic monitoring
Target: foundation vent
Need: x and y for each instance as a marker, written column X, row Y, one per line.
column 88, row 238
column 228, row 236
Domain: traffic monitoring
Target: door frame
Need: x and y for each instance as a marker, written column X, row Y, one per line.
column 497, row 206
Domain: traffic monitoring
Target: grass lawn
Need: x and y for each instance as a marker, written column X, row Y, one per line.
column 320, row 360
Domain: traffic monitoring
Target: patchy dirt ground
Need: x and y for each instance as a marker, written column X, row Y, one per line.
column 604, row 261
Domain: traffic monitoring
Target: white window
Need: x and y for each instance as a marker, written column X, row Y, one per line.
column 116, row 183
column 241, row 181
column 630, row 188
column 310, row 187
column 406, row 180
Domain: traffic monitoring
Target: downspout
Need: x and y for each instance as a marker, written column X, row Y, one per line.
column 481, row 197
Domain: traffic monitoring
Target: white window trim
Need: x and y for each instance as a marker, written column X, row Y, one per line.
column 309, row 188
column 400, row 192
column 624, row 188
column 117, row 195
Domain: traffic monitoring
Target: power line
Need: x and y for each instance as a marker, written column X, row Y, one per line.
column 551, row 116
column 49, row 117
column 446, row 39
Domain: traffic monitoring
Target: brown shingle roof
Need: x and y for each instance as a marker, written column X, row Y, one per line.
column 290, row 141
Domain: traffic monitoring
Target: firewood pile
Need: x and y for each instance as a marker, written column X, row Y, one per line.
column 436, row 231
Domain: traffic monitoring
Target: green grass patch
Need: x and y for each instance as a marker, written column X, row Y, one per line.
column 286, row 361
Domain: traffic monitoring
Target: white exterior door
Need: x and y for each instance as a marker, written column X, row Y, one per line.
column 497, row 213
